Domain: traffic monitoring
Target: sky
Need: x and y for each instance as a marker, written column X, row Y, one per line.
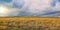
column 29, row 7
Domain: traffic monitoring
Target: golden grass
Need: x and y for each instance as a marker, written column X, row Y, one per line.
column 38, row 18
column 27, row 18
column 45, row 21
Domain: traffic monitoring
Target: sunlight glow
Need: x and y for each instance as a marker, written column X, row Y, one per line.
column 3, row 10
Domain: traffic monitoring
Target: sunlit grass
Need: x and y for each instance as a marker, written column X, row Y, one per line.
column 29, row 23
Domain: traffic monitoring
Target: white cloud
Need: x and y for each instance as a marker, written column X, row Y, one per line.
column 33, row 7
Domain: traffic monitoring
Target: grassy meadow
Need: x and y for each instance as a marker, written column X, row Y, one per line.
column 29, row 23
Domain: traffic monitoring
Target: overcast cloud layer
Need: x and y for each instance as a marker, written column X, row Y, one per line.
column 32, row 7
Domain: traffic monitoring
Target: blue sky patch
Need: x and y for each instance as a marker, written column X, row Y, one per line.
column 5, row 1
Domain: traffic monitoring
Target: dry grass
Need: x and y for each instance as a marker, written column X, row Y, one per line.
column 29, row 23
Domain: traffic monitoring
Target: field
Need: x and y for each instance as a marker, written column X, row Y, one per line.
column 29, row 23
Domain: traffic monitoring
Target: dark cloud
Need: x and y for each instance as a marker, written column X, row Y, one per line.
column 58, row 0
column 54, row 3
column 18, row 4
